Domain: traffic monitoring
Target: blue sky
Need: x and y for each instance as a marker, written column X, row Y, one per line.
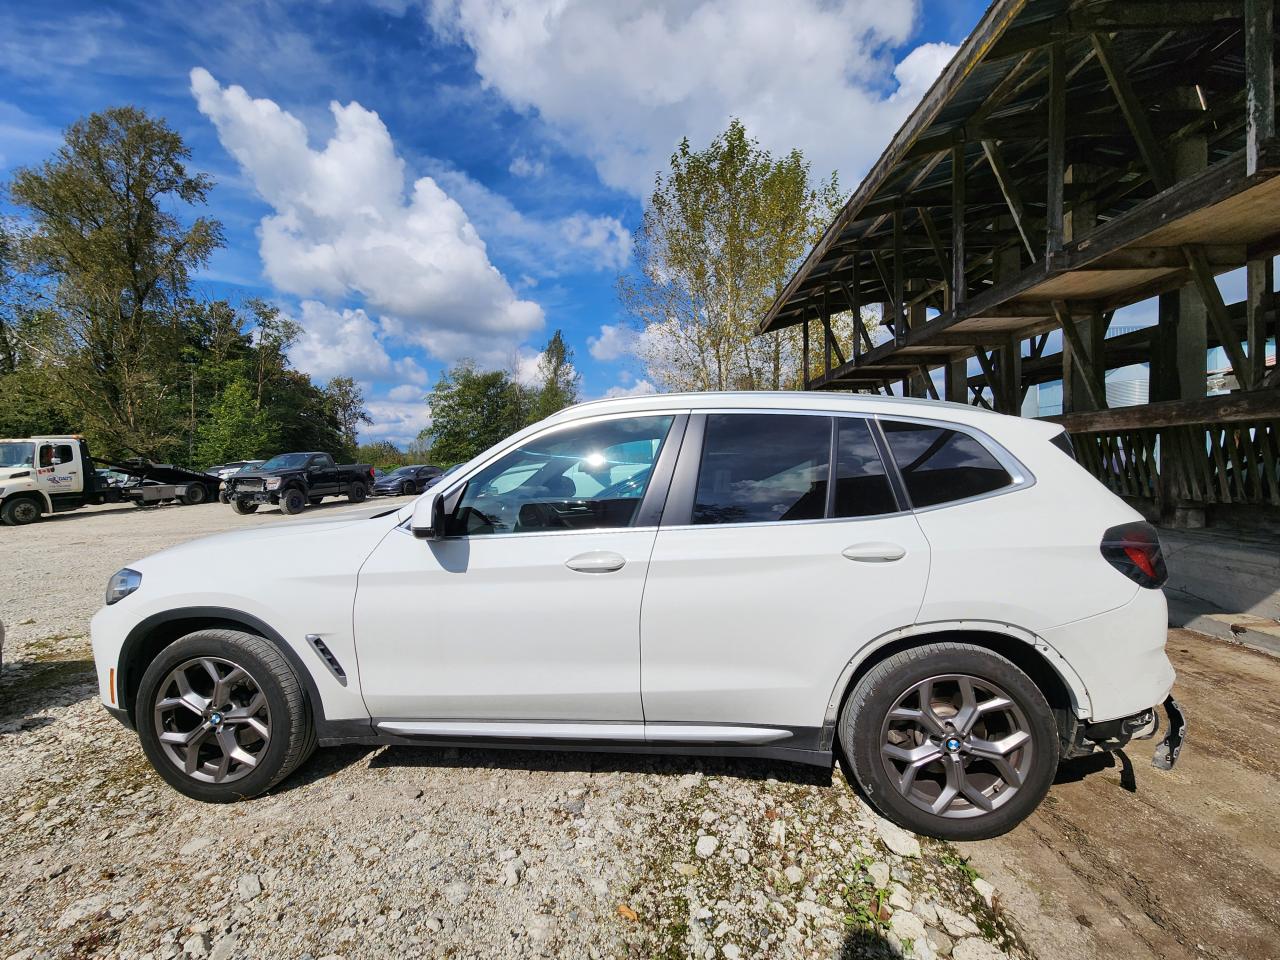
column 421, row 180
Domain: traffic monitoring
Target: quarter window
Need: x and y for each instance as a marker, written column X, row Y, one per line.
column 862, row 487
column 762, row 468
column 584, row 477
column 939, row 465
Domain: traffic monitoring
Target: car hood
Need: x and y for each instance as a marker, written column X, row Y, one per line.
column 259, row 475
column 252, row 545
column 8, row 473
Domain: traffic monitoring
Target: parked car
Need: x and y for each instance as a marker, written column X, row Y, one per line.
column 405, row 481
column 224, row 470
column 294, row 480
column 936, row 592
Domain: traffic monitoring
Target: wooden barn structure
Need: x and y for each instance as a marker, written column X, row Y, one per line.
column 1076, row 157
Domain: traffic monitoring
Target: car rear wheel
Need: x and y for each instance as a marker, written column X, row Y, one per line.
column 222, row 716
column 195, row 494
column 357, row 492
column 293, row 501
column 244, row 506
column 950, row 740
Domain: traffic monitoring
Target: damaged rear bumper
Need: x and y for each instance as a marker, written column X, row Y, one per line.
column 1111, row 735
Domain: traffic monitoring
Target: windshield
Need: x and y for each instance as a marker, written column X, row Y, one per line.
column 286, row 461
column 17, row 454
column 401, row 471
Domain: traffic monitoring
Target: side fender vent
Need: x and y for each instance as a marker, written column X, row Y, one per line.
column 327, row 656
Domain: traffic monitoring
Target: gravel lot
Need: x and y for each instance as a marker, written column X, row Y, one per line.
column 402, row 852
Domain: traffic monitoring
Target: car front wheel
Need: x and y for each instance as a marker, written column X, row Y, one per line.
column 222, row 716
column 950, row 740
column 293, row 501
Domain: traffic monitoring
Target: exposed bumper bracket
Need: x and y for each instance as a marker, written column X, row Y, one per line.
column 1168, row 749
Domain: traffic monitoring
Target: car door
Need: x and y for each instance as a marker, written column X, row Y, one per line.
column 783, row 550
column 322, row 476
column 529, row 608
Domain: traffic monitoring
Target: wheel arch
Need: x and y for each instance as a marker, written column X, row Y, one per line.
column 39, row 496
column 1048, row 669
column 152, row 635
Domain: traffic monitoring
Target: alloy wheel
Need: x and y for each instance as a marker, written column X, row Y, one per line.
column 212, row 720
column 957, row 746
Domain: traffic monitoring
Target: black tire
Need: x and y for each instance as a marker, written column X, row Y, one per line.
column 244, row 507
column 292, row 732
column 357, row 492
column 863, row 722
column 196, row 494
column 293, row 501
column 19, row 511
column 223, row 497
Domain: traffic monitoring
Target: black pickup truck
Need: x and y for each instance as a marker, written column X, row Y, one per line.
column 294, row 480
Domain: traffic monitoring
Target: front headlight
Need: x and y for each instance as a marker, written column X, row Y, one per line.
column 121, row 584
column 273, row 484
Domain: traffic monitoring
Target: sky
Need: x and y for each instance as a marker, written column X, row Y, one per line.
column 419, row 181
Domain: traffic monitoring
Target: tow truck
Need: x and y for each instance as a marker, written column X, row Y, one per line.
column 55, row 474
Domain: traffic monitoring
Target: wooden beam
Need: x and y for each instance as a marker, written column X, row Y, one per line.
column 1202, row 276
column 1259, row 80
column 899, row 277
column 1010, row 190
column 958, row 207
column 1134, row 112
column 804, row 352
column 935, row 240
column 1056, row 149
column 1080, row 355
column 1259, row 295
column 1225, row 408
column 929, row 385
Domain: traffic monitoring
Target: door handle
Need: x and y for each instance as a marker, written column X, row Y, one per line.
column 596, row 561
column 874, row 552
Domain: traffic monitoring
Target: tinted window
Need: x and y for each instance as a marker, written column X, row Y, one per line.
column 579, row 478
column 862, row 488
column 763, row 467
column 939, row 465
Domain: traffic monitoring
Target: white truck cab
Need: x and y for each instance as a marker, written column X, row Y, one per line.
column 42, row 475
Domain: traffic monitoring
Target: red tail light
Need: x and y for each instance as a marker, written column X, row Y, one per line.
column 1134, row 550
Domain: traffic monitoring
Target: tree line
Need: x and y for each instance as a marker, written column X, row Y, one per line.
column 102, row 333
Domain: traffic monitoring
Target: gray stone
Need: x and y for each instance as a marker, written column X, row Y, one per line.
column 224, row 948
column 973, row 948
column 896, row 839
column 985, row 890
column 794, row 875
column 706, row 846
column 879, row 871
column 194, row 846
column 249, row 887
column 81, row 909
column 457, row 892
column 957, row 924
column 196, row 945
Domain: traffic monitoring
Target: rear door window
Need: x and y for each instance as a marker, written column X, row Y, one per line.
column 763, row 468
column 862, row 486
column 939, row 465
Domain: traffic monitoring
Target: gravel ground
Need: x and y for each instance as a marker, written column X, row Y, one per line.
column 402, row 852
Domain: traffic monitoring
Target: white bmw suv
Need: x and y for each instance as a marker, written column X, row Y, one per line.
column 938, row 594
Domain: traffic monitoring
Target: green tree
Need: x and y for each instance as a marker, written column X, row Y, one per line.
column 557, row 384
column 721, row 235
column 347, row 400
column 382, row 454
column 113, row 259
column 235, row 428
column 470, row 411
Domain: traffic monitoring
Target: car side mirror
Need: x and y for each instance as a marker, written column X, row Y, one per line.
column 428, row 522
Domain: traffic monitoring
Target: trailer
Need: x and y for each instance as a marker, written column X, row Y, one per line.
column 55, row 474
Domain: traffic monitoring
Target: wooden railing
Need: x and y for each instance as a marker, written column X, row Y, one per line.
column 1217, row 450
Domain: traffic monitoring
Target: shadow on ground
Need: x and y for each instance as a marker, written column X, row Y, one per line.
column 29, row 687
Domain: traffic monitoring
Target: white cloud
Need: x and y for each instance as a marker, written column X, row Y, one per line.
column 523, row 166
column 399, row 421
column 623, row 82
column 346, row 224
column 614, row 343
column 641, row 388
column 545, row 247
column 339, row 343
column 407, row 393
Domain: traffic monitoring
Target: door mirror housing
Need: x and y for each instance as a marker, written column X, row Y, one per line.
column 428, row 520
